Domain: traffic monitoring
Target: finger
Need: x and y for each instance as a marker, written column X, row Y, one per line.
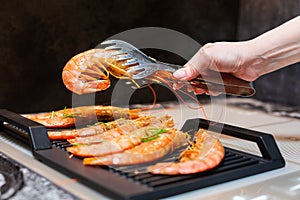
column 181, row 74
column 195, row 66
column 198, row 63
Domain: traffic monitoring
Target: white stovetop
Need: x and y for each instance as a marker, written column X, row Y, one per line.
column 282, row 183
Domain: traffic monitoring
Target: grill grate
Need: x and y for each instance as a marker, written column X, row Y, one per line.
column 161, row 180
column 138, row 173
column 133, row 182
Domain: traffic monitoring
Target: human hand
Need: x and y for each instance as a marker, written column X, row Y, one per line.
column 229, row 57
column 247, row 60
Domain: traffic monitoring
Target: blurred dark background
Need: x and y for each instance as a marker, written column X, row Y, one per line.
column 38, row 37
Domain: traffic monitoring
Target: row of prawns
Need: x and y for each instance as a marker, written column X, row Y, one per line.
column 133, row 139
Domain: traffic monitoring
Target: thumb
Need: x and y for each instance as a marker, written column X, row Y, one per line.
column 186, row 73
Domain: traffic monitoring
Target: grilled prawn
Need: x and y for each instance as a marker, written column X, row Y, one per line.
column 107, row 145
column 89, row 71
column 97, row 128
column 82, row 115
column 203, row 154
column 149, row 149
column 86, row 72
column 121, row 129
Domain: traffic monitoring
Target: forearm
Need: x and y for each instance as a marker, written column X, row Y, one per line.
column 277, row 48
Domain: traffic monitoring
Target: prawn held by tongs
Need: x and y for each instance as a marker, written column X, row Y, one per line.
column 89, row 72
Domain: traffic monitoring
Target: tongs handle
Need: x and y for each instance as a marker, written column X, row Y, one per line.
column 230, row 85
column 212, row 81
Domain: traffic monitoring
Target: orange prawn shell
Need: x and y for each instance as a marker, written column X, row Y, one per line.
column 143, row 151
column 81, row 115
column 75, row 67
column 84, row 73
column 190, row 160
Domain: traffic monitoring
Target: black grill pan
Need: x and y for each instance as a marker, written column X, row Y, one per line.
column 124, row 183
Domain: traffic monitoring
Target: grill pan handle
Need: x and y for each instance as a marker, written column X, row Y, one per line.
column 24, row 129
column 265, row 142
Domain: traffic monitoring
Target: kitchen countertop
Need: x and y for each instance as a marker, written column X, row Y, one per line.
column 244, row 113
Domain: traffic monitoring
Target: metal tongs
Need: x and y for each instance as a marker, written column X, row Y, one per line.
column 141, row 66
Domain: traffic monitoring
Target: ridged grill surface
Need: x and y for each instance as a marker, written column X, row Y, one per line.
column 138, row 173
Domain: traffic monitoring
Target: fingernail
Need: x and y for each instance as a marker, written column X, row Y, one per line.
column 179, row 73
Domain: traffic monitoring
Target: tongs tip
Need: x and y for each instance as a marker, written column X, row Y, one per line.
column 114, row 42
column 106, row 42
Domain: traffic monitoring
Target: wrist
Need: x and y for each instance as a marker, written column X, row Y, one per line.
column 252, row 64
column 268, row 56
column 276, row 48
